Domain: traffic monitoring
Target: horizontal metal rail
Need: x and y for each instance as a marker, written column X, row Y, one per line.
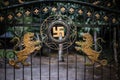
column 63, row 1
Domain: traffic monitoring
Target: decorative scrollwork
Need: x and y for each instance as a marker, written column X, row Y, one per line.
column 21, row 1
column 86, row 47
column 53, row 26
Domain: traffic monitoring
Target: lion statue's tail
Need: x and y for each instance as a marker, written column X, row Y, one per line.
column 17, row 41
column 12, row 62
column 104, row 61
column 99, row 44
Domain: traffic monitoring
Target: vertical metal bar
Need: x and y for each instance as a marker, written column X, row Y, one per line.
column 31, row 55
column 93, row 72
column 14, row 59
column 41, row 49
column 110, row 35
column 118, row 36
column 75, row 66
column 23, row 72
column 95, row 37
column 67, row 76
column 5, row 48
column 118, row 51
column 67, row 66
column 49, row 59
column 103, row 32
column 102, row 71
column 49, row 65
column 23, row 33
column 31, row 68
column 14, row 56
column 114, row 46
column 75, row 60
column 84, row 16
column 84, row 67
column 58, row 68
column 115, row 50
column 110, row 73
column 40, row 62
column 110, row 47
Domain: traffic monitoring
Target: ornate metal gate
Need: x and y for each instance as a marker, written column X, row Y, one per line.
column 59, row 40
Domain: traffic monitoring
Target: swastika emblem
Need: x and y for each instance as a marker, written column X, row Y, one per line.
column 57, row 31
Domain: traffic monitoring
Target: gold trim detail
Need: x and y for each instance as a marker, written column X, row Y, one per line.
column 30, row 46
column 105, row 18
column 19, row 14
column 62, row 9
column 80, row 12
column 114, row 20
column 21, row 1
column 27, row 13
column 109, row 4
column 54, row 9
column 97, row 16
column 1, row 18
column 10, row 16
column 71, row 10
column 88, row 13
column 36, row 11
column 45, row 9
column 86, row 47
column 58, row 31
column 96, row 2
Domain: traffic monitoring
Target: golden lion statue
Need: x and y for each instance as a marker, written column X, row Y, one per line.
column 86, row 47
column 29, row 47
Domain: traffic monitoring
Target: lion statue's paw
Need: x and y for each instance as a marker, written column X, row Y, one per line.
column 26, row 64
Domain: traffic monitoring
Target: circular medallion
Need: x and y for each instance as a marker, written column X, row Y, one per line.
column 57, row 30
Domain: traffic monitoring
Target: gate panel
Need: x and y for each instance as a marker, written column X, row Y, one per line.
column 62, row 40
